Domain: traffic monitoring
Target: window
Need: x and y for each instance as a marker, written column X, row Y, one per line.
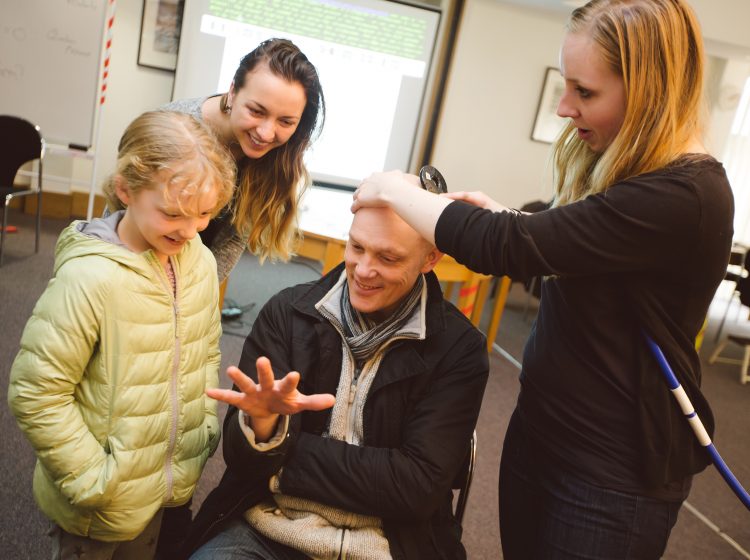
column 736, row 159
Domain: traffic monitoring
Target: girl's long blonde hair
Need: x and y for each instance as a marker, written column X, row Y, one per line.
column 160, row 140
column 265, row 208
column 656, row 46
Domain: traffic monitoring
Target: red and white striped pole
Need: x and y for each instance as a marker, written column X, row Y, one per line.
column 102, row 97
column 107, row 51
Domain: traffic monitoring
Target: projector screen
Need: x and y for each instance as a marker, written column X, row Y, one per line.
column 373, row 58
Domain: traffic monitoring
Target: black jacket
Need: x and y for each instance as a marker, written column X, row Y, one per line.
column 420, row 413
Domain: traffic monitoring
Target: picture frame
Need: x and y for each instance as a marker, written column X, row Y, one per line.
column 160, row 33
column 547, row 125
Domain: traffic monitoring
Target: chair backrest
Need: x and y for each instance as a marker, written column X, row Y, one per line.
column 739, row 259
column 462, row 482
column 743, row 288
column 473, row 286
column 20, row 141
column 534, row 284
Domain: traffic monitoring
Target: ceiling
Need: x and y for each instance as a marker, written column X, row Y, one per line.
column 557, row 6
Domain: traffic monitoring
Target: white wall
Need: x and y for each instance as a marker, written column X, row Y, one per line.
column 483, row 139
column 484, row 135
column 724, row 107
column 131, row 90
column 727, row 21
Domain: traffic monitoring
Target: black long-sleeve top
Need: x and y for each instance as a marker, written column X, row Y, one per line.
column 645, row 256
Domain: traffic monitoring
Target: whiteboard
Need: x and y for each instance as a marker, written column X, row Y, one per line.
column 49, row 65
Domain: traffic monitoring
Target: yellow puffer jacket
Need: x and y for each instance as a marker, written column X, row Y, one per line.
column 109, row 383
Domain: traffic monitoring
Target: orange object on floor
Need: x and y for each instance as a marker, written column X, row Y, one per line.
column 10, row 229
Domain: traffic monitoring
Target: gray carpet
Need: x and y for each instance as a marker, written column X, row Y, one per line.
column 706, row 527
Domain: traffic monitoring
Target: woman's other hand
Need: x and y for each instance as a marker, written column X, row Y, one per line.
column 477, row 198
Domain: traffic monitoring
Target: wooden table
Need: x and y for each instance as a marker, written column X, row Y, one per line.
column 319, row 247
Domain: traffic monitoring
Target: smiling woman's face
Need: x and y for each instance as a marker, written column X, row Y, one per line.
column 266, row 111
column 594, row 97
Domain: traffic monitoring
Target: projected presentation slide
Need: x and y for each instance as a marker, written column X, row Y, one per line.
column 372, row 56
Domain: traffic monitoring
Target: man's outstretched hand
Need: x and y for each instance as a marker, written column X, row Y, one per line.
column 265, row 400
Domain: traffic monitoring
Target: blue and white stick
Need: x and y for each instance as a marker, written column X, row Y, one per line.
column 696, row 424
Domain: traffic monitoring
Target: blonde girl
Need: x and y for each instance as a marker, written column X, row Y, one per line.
column 109, row 383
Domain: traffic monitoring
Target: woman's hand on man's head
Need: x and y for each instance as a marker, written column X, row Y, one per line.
column 380, row 189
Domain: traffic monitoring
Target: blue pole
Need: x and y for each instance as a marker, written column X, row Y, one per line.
column 695, row 423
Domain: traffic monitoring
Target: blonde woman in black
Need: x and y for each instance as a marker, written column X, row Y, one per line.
column 597, row 459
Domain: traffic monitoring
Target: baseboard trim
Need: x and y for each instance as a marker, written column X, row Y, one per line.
column 64, row 205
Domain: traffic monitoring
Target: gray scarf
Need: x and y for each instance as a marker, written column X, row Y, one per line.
column 363, row 335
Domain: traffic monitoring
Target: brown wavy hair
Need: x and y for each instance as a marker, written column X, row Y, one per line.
column 155, row 141
column 656, row 46
column 265, row 207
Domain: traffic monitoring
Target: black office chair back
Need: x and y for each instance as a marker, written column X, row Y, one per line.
column 743, row 288
column 738, row 271
column 20, row 141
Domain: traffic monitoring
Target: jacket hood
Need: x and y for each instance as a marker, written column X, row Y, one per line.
column 99, row 237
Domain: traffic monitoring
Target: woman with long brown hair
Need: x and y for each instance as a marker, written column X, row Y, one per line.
column 273, row 111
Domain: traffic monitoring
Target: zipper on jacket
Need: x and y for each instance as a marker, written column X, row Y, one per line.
column 173, row 398
column 175, row 403
column 336, row 323
column 351, row 409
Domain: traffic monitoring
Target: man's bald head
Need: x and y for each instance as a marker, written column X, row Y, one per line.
column 394, row 229
column 384, row 257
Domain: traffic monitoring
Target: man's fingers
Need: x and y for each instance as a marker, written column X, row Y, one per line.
column 289, row 382
column 268, row 395
column 316, row 402
column 225, row 395
column 265, row 373
column 242, row 381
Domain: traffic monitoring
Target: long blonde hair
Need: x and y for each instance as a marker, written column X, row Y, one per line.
column 265, row 208
column 656, row 46
column 156, row 141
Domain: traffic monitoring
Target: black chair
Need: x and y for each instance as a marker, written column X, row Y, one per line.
column 741, row 338
column 462, row 483
column 738, row 272
column 20, row 142
column 744, row 342
column 533, row 285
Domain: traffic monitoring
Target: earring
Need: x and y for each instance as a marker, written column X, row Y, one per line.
column 228, row 109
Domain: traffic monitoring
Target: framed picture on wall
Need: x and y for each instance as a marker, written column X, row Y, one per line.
column 547, row 125
column 160, row 33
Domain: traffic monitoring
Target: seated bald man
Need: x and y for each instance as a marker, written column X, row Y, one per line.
column 366, row 475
